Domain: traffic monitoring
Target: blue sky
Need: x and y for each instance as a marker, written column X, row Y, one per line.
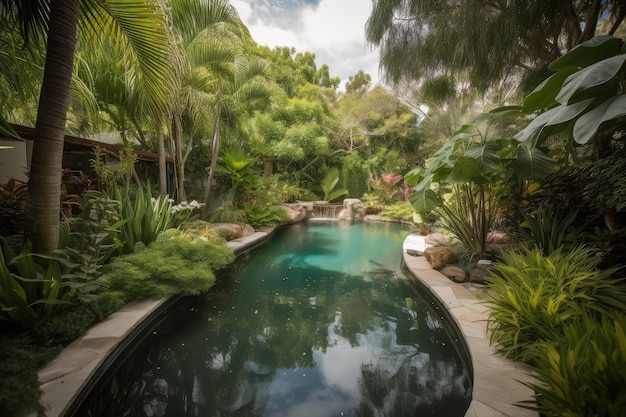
column 334, row 30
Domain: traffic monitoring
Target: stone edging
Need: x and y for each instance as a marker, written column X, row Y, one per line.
column 497, row 385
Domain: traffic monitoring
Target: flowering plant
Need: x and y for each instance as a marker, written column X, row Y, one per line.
column 385, row 186
column 183, row 211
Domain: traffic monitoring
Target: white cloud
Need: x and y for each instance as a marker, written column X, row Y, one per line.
column 334, row 30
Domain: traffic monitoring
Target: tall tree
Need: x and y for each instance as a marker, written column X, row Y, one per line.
column 208, row 36
column 238, row 92
column 482, row 40
column 134, row 22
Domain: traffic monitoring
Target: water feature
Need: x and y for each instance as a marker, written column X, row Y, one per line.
column 318, row 321
column 326, row 210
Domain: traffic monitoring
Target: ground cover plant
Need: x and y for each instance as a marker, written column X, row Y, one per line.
column 173, row 263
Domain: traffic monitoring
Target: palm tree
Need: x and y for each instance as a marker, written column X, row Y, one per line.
column 134, row 23
column 241, row 91
column 208, row 35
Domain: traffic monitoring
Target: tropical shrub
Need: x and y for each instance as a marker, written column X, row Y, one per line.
column 549, row 228
column 399, row 211
column 240, row 171
column 386, row 188
column 354, row 175
column 583, row 373
column 12, row 206
column 273, row 190
column 258, row 215
column 534, row 296
column 227, row 214
column 36, row 287
column 584, row 98
column 173, row 263
column 459, row 183
column 329, row 186
column 144, row 217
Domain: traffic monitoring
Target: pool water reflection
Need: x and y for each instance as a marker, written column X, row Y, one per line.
column 319, row 321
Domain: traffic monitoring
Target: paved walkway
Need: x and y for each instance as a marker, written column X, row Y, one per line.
column 495, row 385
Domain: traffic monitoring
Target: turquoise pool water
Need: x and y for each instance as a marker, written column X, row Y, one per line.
column 318, row 321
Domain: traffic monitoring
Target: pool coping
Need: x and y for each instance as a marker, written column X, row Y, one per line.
column 497, row 381
column 496, row 385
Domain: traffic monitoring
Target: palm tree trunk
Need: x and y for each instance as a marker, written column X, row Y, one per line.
column 214, row 153
column 162, row 163
column 42, row 213
column 177, row 133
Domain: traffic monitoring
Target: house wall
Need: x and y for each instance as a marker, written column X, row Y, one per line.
column 13, row 160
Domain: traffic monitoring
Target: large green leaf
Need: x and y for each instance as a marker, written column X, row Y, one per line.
column 592, row 76
column 488, row 155
column 413, row 176
column 552, row 117
column 424, row 200
column 587, row 53
column 544, row 95
column 532, row 164
column 464, row 169
column 587, row 125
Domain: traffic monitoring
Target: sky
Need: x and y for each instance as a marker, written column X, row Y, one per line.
column 334, row 30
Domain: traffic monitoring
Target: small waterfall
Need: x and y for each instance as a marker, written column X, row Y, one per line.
column 326, row 211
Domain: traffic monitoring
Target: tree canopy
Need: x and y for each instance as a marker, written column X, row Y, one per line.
column 481, row 41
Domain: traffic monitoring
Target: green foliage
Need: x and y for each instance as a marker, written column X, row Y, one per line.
column 240, row 170
column 549, row 228
column 605, row 183
column 399, row 211
column 22, row 357
column 469, row 214
column 24, row 354
column 172, row 264
column 329, row 184
column 36, row 287
column 226, row 214
column 354, row 175
column 273, row 190
column 473, row 164
column 258, row 215
column 534, row 296
column 144, row 218
column 583, row 374
column 112, row 172
column 584, row 97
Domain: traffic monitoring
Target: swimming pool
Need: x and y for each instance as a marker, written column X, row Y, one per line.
column 318, row 321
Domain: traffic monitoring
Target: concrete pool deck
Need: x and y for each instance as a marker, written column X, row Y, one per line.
column 496, row 387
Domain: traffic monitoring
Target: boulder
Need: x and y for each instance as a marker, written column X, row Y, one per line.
column 436, row 239
column 439, row 256
column 353, row 209
column 479, row 272
column 455, row 273
column 231, row 231
column 295, row 212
